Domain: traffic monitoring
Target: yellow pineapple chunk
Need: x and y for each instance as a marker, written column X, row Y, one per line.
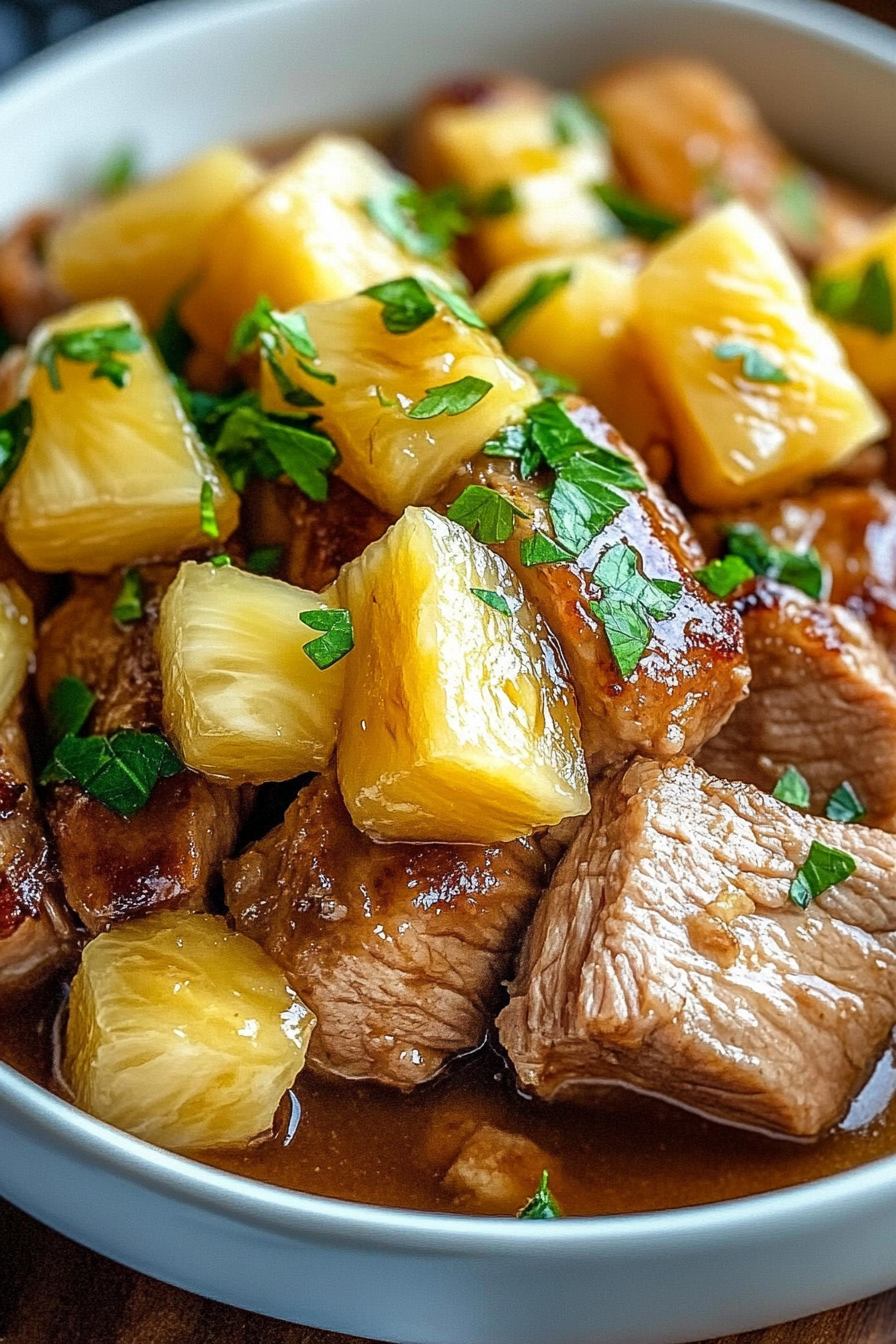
column 111, row 475
column 458, row 723
column 381, row 380
column 758, row 390
column 182, row 1032
column 145, row 244
column 242, row 700
column 16, row 642
column 552, row 212
column 857, row 289
column 303, row 235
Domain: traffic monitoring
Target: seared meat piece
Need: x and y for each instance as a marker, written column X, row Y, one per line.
column 27, row 294
column 694, row 671
column 667, row 955
column 398, row 949
column 36, row 935
column 822, row 698
column 324, row 537
column 496, row 1171
column 169, row 853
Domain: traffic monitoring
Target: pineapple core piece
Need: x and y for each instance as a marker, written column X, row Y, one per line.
column 182, row 1032
column 111, row 474
column 145, row 244
column 459, row 723
column 758, row 390
column 16, row 643
column 241, row 699
column 857, row 290
column 304, row 235
column 381, row 381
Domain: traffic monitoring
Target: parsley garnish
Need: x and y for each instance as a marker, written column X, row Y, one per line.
column 173, row 342
column 753, row 363
column 129, row 602
column 276, row 333
column 549, row 384
column 91, row 345
column 68, row 707
column 864, row 300
column 541, row 289
column 485, row 514
column 573, row 122
column 450, row 398
column 336, row 640
column 845, row 805
column 264, row 559
column 627, row 599
column 721, row 577
column 15, row 431
column 823, row 868
column 764, row 557
column 498, row 201
column 496, row 601
column 541, row 550
column 221, row 561
column 542, row 1204
column 119, row 771
column 208, row 519
column 457, row 304
column 792, row 788
column 638, row 217
column 423, row 223
column 119, row 171
column 797, row 198
column 252, row 443
column 407, row 305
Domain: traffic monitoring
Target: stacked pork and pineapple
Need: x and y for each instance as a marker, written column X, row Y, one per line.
column 327, row 512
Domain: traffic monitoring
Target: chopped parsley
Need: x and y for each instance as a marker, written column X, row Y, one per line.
column 549, row 384
column 208, row 519
column 407, row 304
column 118, row 172
column 541, row 550
column 128, row 604
column 450, row 398
column 485, row 514
column 423, row 223
column 336, row 640
column 100, row 346
column 721, row 577
column 277, row 333
column 173, row 342
column 15, row 431
column 645, row 221
column 541, row 289
column 573, row 122
column 221, row 561
column 498, row 201
column 845, row 805
column 753, row 364
column 264, row 559
column 542, row 1204
column 798, row 203
column 864, row 300
column 823, row 868
column 496, row 601
column 627, row 599
column 792, row 788
column 800, row 571
column 252, row 443
column 119, row 771
column 68, row 707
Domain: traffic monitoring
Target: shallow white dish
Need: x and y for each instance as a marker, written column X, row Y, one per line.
column 171, row 79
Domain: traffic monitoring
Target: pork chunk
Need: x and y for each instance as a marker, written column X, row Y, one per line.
column 822, row 698
column 668, row 956
column 496, row 1171
column 398, row 949
column 325, row 536
column 27, row 293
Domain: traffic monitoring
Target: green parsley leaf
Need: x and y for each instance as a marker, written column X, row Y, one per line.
column 423, row 223
column 792, row 788
column 541, row 289
column 336, row 640
column 285, row 330
column 68, row 707
column 15, row 431
column 119, row 171
column 823, row 868
column 600, row 466
column 638, row 217
column 457, row 304
column 628, row 598
column 208, row 519
column 450, row 398
column 549, row 384
column 496, row 601
column 627, row 631
column 173, row 342
column 573, row 122
column 253, row 443
column 764, row 557
column 120, row 771
column 753, row 363
column 511, row 441
column 485, row 514
column 541, row 550
column 221, row 561
column 542, row 1204
column 864, row 300
column 499, row 201
column 845, row 805
column 797, row 197
column 406, row 304
column 91, row 345
column 264, row 559
column 578, row 515
column 723, row 576
column 129, row 602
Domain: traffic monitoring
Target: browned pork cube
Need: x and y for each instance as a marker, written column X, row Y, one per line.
column 668, row 955
column 398, row 949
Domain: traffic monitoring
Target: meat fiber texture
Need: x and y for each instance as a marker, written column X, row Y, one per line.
column 668, row 956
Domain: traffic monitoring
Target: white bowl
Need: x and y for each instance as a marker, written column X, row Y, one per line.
column 172, row 79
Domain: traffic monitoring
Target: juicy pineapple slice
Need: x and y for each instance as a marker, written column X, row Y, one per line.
column 458, row 721
column 552, row 212
column 389, row 456
column 758, row 389
column 870, row 342
column 182, row 1032
column 145, row 244
column 111, row 475
column 242, row 701
column 303, row 235
column 16, row 642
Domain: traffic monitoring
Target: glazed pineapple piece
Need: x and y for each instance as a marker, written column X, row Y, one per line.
column 323, row 225
column 183, row 1033
column 16, row 643
column 113, row 471
column 758, row 390
column 243, row 699
column 405, row 405
column 458, row 723
column 146, row 243
column 856, row 290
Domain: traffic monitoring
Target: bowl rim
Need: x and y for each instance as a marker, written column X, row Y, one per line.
column 287, row 1212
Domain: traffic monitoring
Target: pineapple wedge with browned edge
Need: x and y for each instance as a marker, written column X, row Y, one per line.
column 242, row 701
column 303, row 235
column 381, row 379
column 182, row 1032
column 758, row 389
column 112, row 474
column 145, row 244
column 16, row 642
column 856, row 290
column 459, row 723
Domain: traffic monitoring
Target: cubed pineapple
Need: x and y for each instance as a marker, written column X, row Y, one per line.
column 182, row 1032
column 551, row 212
column 113, row 472
column 16, row 643
column 856, row 289
column 580, row 329
column 458, row 723
column 242, row 700
column 304, row 235
column 396, row 447
column 145, row 244
column 759, row 392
